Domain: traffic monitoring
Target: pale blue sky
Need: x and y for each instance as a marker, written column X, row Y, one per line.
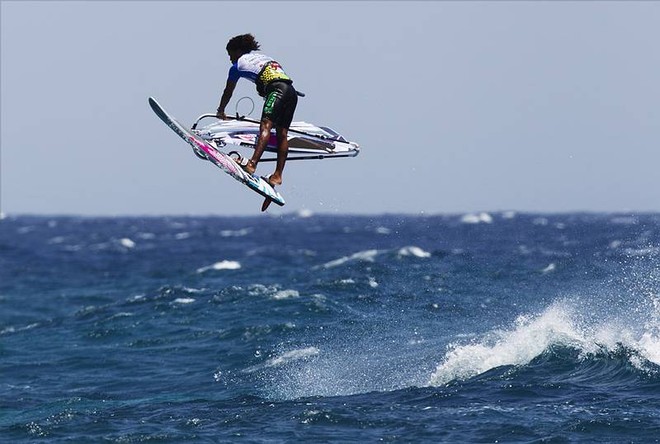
column 458, row 106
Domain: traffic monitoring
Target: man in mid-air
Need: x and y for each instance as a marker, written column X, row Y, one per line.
column 280, row 99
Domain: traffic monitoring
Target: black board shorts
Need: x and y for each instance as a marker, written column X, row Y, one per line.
column 280, row 103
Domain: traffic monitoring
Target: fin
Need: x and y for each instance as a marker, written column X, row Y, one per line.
column 266, row 204
column 268, row 200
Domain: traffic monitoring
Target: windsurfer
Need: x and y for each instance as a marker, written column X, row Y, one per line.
column 280, row 99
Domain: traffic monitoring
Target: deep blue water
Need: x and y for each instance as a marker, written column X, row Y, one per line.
column 485, row 328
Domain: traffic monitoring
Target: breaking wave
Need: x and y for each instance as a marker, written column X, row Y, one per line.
column 562, row 326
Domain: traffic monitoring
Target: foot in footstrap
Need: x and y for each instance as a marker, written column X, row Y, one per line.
column 269, row 180
column 246, row 164
column 199, row 153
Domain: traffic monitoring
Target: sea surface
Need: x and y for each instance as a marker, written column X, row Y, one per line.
column 485, row 327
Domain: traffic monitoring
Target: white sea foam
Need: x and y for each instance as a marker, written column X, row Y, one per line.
column 564, row 323
column 222, row 265
column 181, row 236
column 305, row 213
column 286, row 294
column 615, row 244
column 184, row 300
column 235, row 233
column 529, row 338
column 260, row 289
column 477, row 218
column 649, row 346
column 293, row 355
column 193, row 290
column 12, row 329
column 413, row 251
column 383, row 230
column 551, row 267
column 640, row 252
column 127, row 243
column 364, row 256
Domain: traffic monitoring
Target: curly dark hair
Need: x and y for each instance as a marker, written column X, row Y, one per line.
column 244, row 43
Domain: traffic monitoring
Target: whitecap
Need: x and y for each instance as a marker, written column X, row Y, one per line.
column 305, row 213
column 235, row 233
column 181, row 236
column 193, row 290
column 222, row 265
column 564, row 323
column 365, row 256
column 413, row 251
column 530, row 337
column 12, row 329
column 293, row 355
column 477, row 218
column 260, row 289
column 615, row 244
column 647, row 251
column 549, row 268
column 286, row 294
column 184, row 300
column 383, row 230
column 126, row 242
column 649, row 346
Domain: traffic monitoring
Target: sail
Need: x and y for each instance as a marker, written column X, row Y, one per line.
column 303, row 137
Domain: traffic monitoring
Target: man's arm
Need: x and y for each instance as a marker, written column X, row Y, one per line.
column 226, row 96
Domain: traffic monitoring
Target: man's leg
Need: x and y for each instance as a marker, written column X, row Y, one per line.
column 264, row 135
column 282, row 152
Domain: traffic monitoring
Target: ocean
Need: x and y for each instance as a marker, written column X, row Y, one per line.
column 485, row 327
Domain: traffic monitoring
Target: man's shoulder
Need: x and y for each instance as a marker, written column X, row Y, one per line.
column 253, row 56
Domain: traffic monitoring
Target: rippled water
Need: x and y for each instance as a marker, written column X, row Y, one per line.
column 498, row 327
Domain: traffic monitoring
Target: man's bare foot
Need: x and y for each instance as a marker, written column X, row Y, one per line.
column 274, row 179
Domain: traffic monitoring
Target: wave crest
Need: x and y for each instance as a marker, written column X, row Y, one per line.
column 560, row 326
